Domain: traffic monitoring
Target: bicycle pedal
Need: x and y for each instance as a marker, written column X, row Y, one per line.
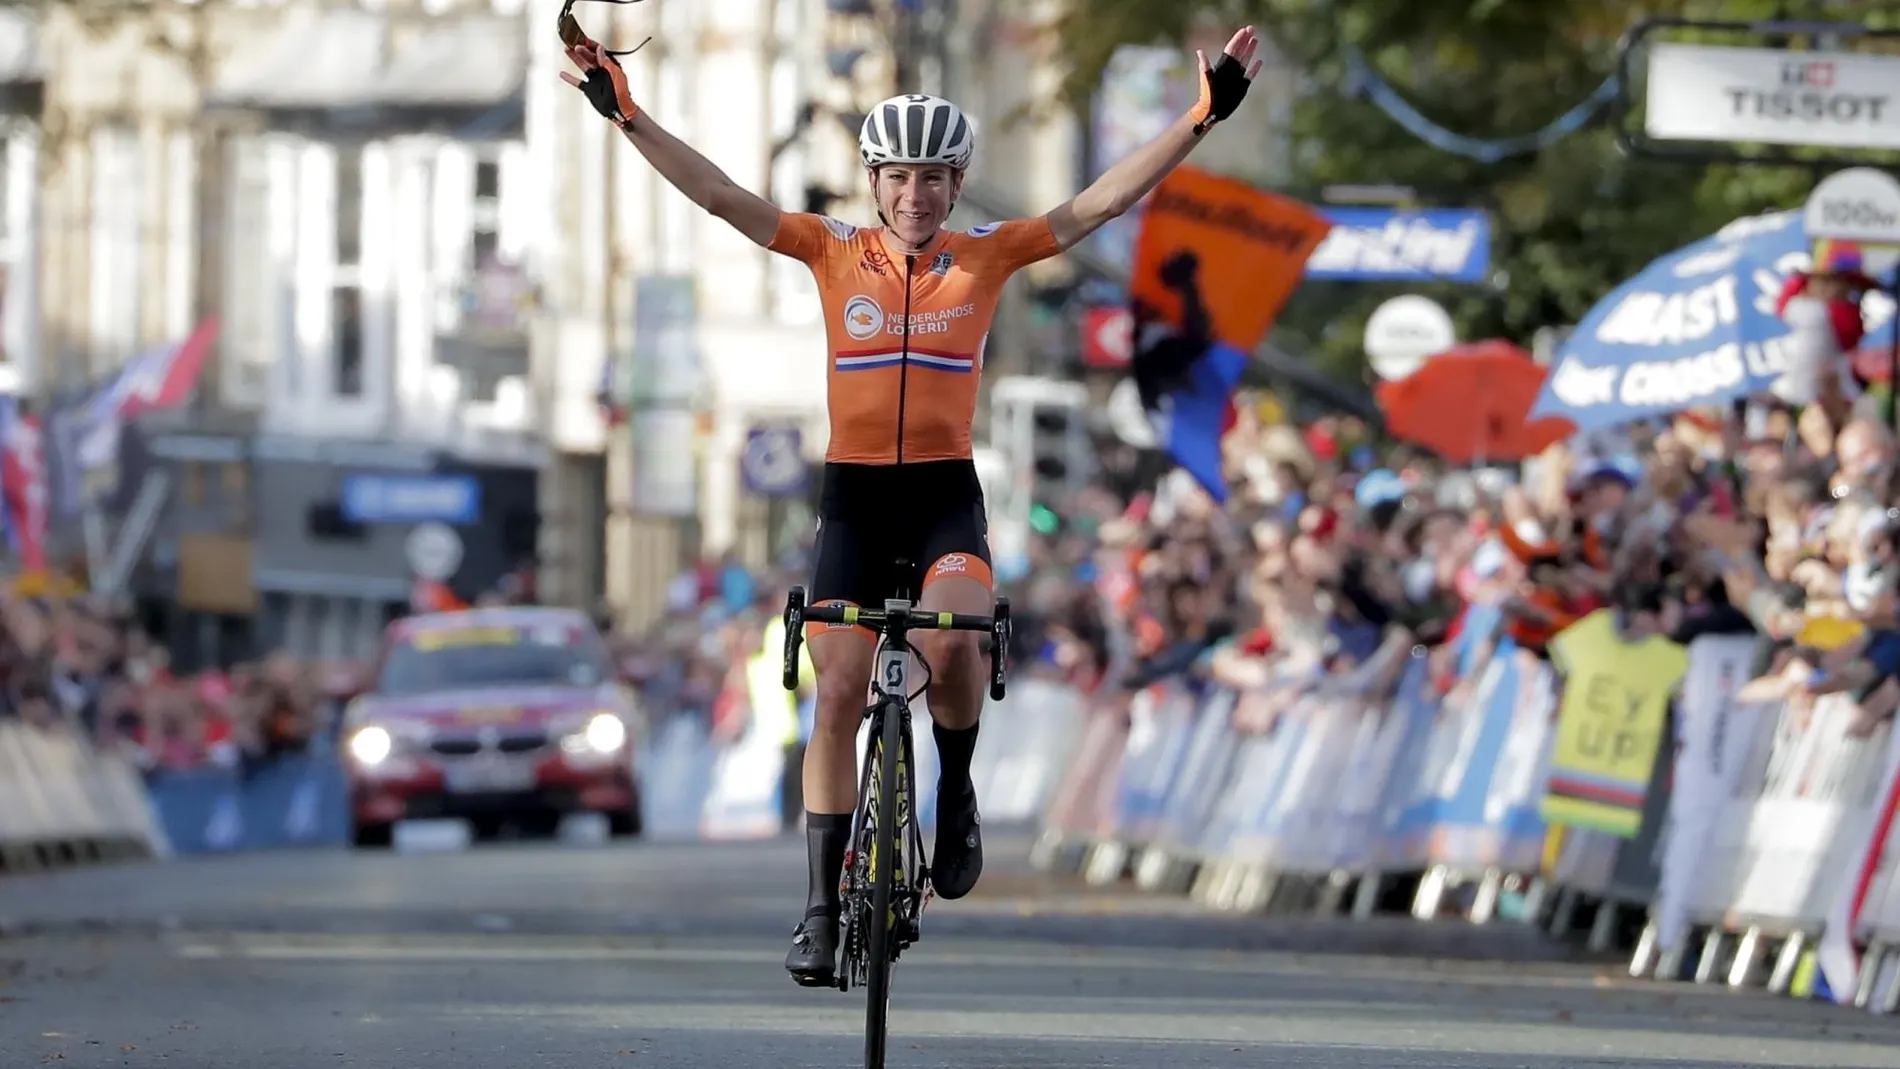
column 831, row 979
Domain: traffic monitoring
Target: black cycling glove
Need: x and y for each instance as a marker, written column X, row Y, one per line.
column 1222, row 90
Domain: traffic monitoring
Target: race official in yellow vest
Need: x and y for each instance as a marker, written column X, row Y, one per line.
column 775, row 710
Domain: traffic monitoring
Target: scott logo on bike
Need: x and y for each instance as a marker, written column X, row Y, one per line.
column 894, row 673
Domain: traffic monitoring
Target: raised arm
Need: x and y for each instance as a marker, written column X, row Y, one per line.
column 604, row 83
column 1122, row 186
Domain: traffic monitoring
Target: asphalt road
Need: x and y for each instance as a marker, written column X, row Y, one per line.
column 516, row 957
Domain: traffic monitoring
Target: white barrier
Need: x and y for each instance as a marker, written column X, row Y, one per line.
column 61, row 802
column 695, row 788
column 1768, row 833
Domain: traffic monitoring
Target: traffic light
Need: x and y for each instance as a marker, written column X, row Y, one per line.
column 1040, row 427
column 1058, row 451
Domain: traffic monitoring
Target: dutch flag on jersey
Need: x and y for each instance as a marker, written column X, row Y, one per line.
column 935, row 359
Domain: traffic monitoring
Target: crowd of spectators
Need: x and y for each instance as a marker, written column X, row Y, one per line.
column 1753, row 519
column 72, row 663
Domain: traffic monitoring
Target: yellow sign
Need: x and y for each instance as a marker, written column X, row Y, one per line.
column 1615, row 711
column 43, row 584
column 1828, row 633
column 433, row 639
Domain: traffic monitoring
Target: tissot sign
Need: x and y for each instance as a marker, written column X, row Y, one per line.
column 1768, row 96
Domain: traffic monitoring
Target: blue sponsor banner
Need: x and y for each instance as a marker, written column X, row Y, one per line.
column 1157, row 745
column 450, row 499
column 1697, row 327
column 1428, row 793
column 1405, row 812
column 1394, row 245
column 1206, row 767
column 1264, row 824
column 292, row 801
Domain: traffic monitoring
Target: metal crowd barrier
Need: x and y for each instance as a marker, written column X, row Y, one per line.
column 695, row 788
column 63, row 803
column 1766, row 852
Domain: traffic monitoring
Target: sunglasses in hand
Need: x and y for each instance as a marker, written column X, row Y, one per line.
column 572, row 36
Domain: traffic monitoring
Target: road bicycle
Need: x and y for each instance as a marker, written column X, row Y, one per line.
column 884, row 871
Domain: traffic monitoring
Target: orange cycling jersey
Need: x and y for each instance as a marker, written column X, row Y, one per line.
column 906, row 333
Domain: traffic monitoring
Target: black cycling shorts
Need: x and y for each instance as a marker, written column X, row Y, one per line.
column 885, row 531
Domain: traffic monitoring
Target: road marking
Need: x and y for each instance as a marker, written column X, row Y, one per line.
column 959, row 953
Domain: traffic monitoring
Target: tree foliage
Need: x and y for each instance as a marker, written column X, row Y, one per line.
column 1570, row 222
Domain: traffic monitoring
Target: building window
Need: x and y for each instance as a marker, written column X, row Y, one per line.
column 487, row 180
column 346, row 317
column 237, row 480
column 193, row 483
column 6, row 187
column 485, row 242
column 346, row 295
column 118, row 199
column 349, row 205
column 487, row 249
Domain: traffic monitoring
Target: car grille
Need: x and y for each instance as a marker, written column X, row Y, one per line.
column 516, row 742
column 523, row 743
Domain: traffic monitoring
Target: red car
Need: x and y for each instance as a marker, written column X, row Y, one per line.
column 491, row 715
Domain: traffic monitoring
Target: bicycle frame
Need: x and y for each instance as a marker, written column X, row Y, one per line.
column 890, row 701
column 873, row 933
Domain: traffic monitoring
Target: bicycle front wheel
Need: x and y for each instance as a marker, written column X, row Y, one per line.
column 877, row 988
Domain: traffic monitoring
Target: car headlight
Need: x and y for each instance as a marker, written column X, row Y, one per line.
column 372, row 745
column 605, row 733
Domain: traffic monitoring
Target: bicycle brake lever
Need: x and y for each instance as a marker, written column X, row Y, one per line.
column 794, row 632
column 999, row 649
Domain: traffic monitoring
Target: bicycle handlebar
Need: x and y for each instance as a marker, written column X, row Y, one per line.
column 798, row 614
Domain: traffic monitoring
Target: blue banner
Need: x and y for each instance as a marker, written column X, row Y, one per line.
column 1193, row 417
column 1391, row 245
column 1697, row 327
column 450, row 499
column 292, row 801
column 773, row 464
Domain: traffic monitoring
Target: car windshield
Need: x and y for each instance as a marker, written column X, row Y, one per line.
column 459, row 658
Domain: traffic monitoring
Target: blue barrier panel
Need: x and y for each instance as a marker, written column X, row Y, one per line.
column 1512, row 801
column 1462, row 836
column 1405, row 823
column 1205, row 771
column 1263, row 823
column 1484, row 809
column 676, row 777
column 298, row 800
column 1236, row 799
column 1157, row 750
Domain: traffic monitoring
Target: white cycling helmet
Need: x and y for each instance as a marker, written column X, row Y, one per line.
column 917, row 129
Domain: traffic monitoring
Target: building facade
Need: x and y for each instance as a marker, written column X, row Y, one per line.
column 22, row 83
column 347, row 191
column 430, row 262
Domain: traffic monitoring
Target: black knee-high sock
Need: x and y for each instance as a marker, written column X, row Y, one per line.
column 826, row 836
column 954, row 750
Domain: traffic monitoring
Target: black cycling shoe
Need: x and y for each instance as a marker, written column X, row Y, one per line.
column 957, row 860
column 813, row 961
